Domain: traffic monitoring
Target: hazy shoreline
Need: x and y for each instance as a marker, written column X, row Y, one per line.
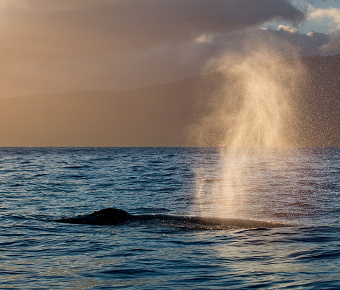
column 160, row 115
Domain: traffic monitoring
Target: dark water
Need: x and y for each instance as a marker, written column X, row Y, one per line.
column 295, row 186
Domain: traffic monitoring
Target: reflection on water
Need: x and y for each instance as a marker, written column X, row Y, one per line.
column 270, row 184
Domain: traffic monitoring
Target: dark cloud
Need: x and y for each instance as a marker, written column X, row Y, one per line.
column 312, row 43
column 305, row 44
column 66, row 26
column 74, row 44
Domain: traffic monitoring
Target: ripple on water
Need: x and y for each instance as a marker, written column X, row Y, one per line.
column 40, row 184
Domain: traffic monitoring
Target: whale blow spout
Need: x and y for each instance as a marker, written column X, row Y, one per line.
column 107, row 216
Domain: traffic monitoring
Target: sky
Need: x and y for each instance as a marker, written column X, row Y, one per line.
column 69, row 45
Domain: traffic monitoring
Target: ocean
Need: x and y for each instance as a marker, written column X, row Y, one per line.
column 299, row 187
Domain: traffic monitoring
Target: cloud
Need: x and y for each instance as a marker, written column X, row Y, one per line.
column 304, row 44
column 95, row 26
column 290, row 29
column 74, row 44
column 322, row 43
column 331, row 13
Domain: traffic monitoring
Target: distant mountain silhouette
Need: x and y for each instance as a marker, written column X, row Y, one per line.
column 162, row 115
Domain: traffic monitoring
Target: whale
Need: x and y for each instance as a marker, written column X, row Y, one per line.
column 116, row 216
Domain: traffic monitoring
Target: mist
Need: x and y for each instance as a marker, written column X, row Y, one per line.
column 253, row 113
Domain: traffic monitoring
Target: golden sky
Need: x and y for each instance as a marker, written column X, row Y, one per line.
column 69, row 45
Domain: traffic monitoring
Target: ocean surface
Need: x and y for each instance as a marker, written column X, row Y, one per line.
column 297, row 187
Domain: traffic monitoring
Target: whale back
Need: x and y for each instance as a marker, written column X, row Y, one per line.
column 115, row 216
column 111, row 215
column 106, row 216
